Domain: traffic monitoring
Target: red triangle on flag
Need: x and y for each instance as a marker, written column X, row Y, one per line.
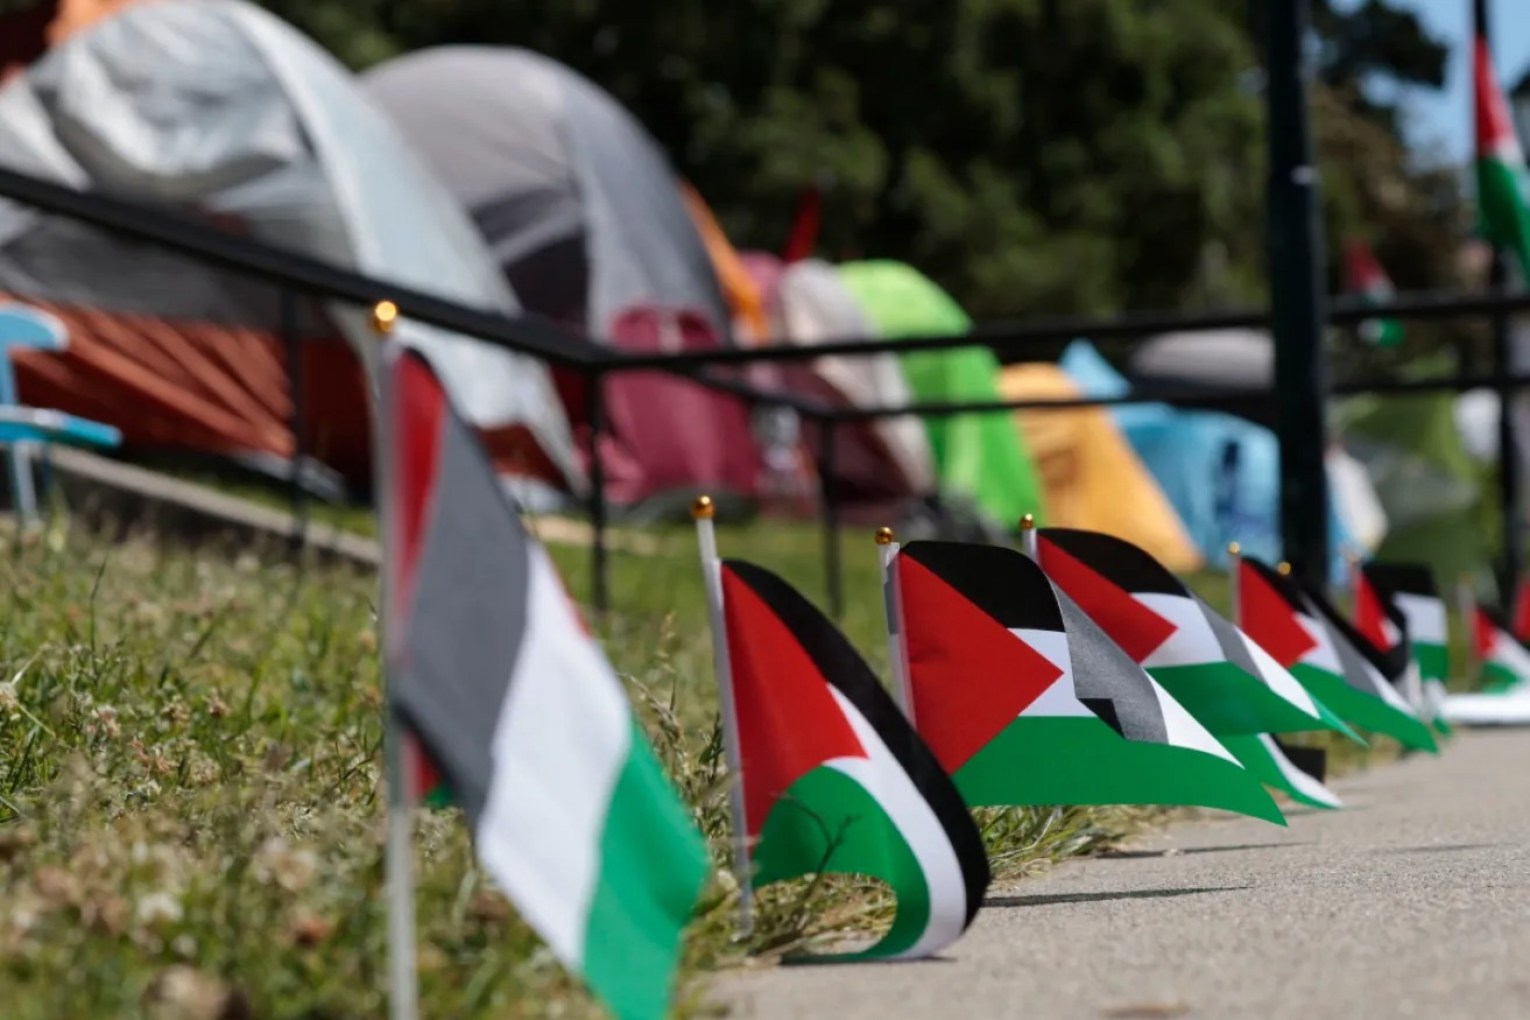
column 1370, row 615
column 1266, row 616
column 1495, row 128
column 1484, row 633
column 1136, row 628
column 788, row 720
column 969, row 675
column 418, row 408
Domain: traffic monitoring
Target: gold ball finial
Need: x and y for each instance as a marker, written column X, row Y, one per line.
column 885, row 536
column 1028, row 522
column 1283, row 569
column 1234, row 549
column 384, row 317
column 702, row 509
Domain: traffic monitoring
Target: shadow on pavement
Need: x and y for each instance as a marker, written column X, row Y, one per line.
column 1048, row 899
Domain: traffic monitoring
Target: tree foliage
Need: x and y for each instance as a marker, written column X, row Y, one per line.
column 1031, row 155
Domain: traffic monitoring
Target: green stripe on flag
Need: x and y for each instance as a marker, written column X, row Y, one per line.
column 1364, row 710
column 1226, row 700
column 652, row 865
column 1501, row 206
column 1258, row 760
column 1081, row 760
column 1499, row 679
column 828, row 822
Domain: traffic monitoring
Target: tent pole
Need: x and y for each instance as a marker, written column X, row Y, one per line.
column 828, row 487
column 296, row 415
column 599, row 592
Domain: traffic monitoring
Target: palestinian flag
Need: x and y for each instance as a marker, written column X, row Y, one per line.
column 1505, row 660
column 1323, row 651
column 1386, row 591
column 514, row 706
column 1521, row 628
column 1026, row 701
column 1501, row 178
column 1364, row 276
column 835, row 779
column 1211, row 667
column 1295, row 771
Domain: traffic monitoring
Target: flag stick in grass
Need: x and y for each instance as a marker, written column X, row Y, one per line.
column 494, row 677
column 832, row 779
column 702, row 512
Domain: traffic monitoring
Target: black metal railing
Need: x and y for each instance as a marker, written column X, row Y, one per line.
column 296, row 275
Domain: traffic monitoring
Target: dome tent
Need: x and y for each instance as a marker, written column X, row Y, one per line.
column 981, row 456
column 219, row 110
column 586, row 220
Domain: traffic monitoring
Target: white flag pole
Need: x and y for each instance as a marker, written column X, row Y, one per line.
column 892, row 607
column 403, row 980
column 1234, row 562
column 1028, row 537
column 702, row 510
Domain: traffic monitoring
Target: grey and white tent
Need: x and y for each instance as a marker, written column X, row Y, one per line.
column 585, row 217
column 218, row 109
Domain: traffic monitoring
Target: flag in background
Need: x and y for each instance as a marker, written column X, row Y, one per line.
column 1408, row 591
column 1211, row 667
column 1331, row 659
column 1026, row 701
column 1502, row 211
column 513, row 705
column 1363, row 275
column 1504, row 659
column 834, row 778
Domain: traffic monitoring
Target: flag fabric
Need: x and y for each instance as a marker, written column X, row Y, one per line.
column 1521, row 621
column 1024, row 700
column 1324, row 651
column 1363, row 275
column 835, row 780
column 1502, row 211
column 1385, row 591
column 513, row 705
column 1504, row 660
column 1206, row 663
column 1295, row 771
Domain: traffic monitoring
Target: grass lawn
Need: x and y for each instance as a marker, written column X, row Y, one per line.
column 190, row 815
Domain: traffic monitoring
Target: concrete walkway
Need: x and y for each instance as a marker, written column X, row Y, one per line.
column 1413, row 901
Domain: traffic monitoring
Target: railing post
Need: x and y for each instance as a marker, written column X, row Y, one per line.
column 828, row 489
column 599, row 590
column 1296, row 292
column 297, row 422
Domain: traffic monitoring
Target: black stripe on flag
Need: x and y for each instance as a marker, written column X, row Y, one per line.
column 1124, row 564
column 1002, row 582
column 1391, row 579
column 842, row 666
column 1107, row 680
column 1391, row 663
column 1311, row 760
column 471, row 579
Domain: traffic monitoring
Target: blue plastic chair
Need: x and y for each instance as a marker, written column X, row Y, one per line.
column 22, row 428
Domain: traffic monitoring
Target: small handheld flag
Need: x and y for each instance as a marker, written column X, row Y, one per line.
column 511, row 702
column 1211, row 667
column 1334, row 661
column 830, row 776
column 1026, row 701
column 1398, row 603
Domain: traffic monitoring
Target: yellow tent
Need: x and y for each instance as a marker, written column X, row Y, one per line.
column 1090, row 474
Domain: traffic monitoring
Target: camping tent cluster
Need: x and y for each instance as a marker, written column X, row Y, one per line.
column 503, row 179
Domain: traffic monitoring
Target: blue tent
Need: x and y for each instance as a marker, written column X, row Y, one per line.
column 1221, row 472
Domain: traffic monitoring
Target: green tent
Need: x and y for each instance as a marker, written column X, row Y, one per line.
column 1427, row 483
column 980, row 455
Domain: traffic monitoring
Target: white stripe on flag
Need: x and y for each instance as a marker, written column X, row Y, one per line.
column 1184, row 730
column 1193, row 642
column 1425, row 617
column 1510, row 654
column 883, row 776
column 1296, row 777
column 1060, row 698
column 1278, row 678
column 563, row 736
column 1324, row 656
